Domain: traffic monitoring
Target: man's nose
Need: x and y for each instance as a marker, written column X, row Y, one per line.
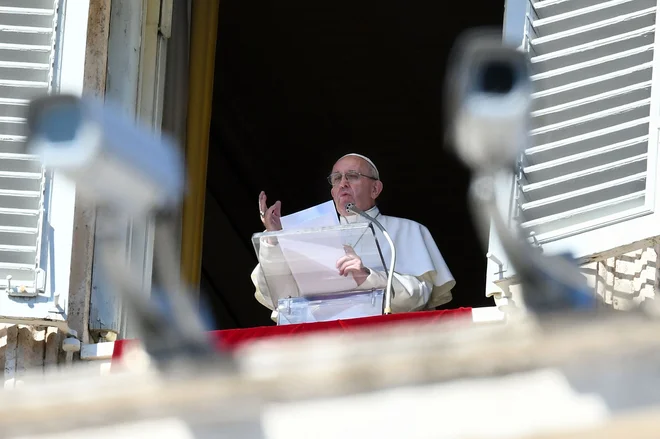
column 343, row 182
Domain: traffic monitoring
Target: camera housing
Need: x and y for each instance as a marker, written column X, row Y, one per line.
column 488, row 92
column 112, row 160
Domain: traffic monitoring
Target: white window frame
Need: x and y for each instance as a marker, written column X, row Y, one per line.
column 615, row 234
column 68, row 77
column 136, row 83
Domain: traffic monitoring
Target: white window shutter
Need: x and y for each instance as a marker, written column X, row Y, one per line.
column 588, row 182
column 27, row 39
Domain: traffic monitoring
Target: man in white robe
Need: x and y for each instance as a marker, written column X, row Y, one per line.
column 421, row 279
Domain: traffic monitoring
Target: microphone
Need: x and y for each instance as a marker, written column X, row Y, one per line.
column 387, row 305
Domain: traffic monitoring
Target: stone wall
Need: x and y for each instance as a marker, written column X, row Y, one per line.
column 622, row 281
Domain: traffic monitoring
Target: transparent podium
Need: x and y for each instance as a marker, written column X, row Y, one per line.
column 301, row 274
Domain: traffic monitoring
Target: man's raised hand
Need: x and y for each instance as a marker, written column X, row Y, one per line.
column 270, row 216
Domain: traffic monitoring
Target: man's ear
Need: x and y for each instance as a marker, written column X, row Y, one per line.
column 376, row 189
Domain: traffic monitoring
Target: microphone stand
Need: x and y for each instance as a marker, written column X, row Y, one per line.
column 387, row 303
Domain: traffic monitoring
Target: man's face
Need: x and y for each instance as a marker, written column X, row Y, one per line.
column 362, row 191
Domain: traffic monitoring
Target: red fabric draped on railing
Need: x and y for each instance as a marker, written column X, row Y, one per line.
column 230, row 339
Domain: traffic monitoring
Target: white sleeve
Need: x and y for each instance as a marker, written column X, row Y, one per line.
column 274, row 266
column 411, row 293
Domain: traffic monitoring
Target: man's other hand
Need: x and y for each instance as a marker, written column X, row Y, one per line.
column 352, row 264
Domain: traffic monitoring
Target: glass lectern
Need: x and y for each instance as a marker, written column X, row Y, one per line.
column 301, row 273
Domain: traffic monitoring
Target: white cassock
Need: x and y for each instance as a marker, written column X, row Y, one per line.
column 421, row 280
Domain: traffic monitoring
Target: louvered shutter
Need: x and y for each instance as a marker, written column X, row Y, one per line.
column 587, row 182
column 27, row 35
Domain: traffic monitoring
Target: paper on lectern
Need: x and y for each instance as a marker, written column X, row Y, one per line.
column 321, row 215
column 313, row 262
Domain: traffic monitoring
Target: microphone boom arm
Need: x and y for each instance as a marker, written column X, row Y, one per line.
column 387, row 303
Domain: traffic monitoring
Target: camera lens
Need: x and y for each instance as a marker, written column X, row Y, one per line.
column 497, row 77
column 58, row 121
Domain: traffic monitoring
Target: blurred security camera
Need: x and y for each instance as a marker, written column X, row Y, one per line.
column 112, row 160
column 489, row 100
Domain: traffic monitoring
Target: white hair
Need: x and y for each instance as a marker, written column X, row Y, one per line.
column 366, row 159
